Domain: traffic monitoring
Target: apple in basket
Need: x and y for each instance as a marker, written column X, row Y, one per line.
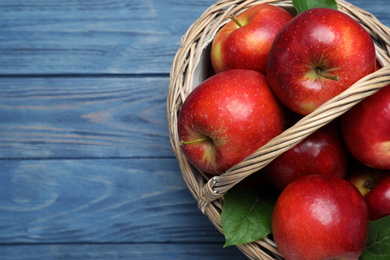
column 316, row 56
column 363, row 178
column 378, row 199
column 226, row 118
column 374, row 185
column 320, row 217
column 244, row 42
column 366, row 130
column 322, row 152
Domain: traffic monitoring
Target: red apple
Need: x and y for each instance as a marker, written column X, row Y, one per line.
column 228, row 117
column 374, row 185
column 378, row 199
column 322, row 152
column 245, row 43
column 366, row 130
column 316, row 56
column 363, row 178
column 320, row 217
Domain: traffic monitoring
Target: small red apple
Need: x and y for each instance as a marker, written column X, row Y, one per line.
column 320, row 217
column 374, row 185
column 228, row 117
column 244, row 42
column 317, row 55
column 366, row 130
column 363, row 178
column 378, row 199
column 322, row 152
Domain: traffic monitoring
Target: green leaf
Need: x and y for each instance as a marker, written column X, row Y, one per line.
column 378, row 242
column 246, row 216
column 303, row 5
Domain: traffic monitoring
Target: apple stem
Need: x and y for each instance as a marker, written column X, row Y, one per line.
column 235, row 20
column 326, row 75
column 194, row 141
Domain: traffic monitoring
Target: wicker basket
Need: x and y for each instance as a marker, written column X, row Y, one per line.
column 189, row 68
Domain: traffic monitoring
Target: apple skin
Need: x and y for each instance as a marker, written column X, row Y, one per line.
column 234, row 113
column 364, row 178
column 378, row 199
column 374, row 185
column 366, row 130
column 320, row 217
column 322, row 152
column 316, row 56
column 247, row 47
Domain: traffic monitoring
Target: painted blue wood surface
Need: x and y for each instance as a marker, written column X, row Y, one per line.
column 98, row 201
column 94, row 36
column 86, row 168
column 83, row 117
column 139, row 251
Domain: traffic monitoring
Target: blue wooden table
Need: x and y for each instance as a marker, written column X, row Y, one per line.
column 86, row 167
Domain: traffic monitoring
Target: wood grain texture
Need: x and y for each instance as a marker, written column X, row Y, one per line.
column 99, row 201
column 145, row 251
column 83, row 117
column 94, row 36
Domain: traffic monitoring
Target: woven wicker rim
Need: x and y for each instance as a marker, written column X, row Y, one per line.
column 209, row 192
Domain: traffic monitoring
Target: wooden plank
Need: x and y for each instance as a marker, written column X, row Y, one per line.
column 84, row 117
column 145, row 251
column 92, row 37
column 379, row 8
column 376, row 7
column 99, row 201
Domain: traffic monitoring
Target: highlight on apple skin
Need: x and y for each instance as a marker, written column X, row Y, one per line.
column 320, row 53
column 320, row 217
column 244, row 42
column 366, row 130
column 227, row 118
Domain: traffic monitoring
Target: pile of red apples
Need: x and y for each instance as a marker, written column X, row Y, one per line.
column 270, row 69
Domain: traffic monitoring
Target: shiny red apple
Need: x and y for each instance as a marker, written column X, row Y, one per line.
column 322, row 152
column 366, row 130
column 378, row 199
column 228, row 117
column 320, row 217
column 316, row 56
column 244, row 42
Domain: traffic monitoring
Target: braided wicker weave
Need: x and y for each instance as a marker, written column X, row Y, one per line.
column 186, row 73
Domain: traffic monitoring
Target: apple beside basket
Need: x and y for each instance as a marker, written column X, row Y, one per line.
column 190, row 67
